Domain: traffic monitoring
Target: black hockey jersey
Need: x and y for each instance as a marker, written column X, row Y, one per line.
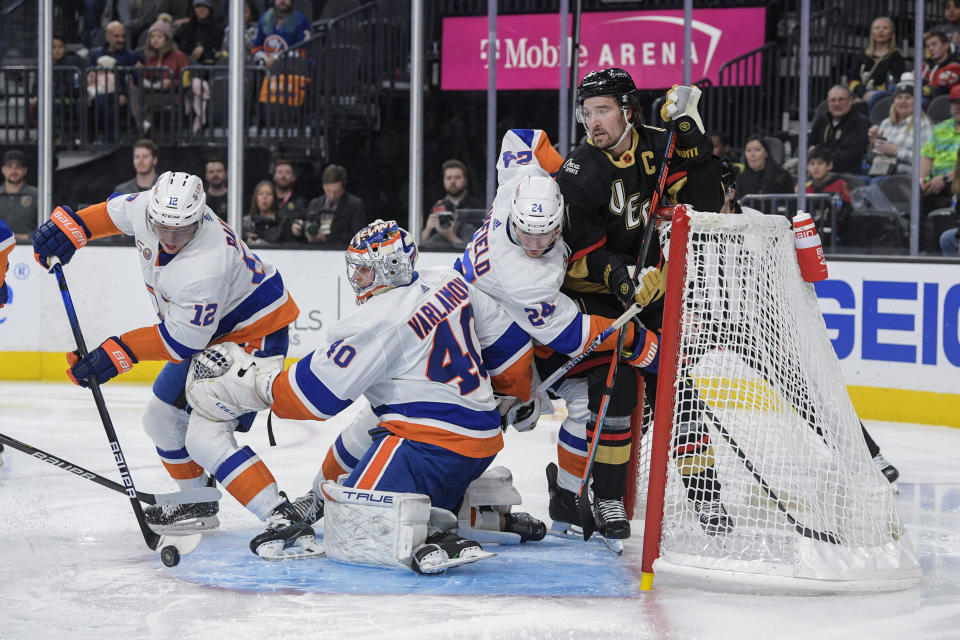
column 609, row 201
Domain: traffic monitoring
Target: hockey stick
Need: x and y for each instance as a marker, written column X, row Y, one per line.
column 583, row 503
column 188, row 496
column 807, row 532
column 624, row 318
column 170, row 547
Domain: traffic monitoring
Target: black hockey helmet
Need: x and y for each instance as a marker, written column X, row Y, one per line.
column 607, row 82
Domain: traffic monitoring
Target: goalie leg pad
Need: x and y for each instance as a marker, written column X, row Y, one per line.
column 370, row 527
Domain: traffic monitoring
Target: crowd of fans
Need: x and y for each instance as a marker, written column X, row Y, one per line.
column 136, row 60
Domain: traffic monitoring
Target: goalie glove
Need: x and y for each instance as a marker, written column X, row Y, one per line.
column 224, row 382
column 681, row 107
column 522, row 415
column 644, row 352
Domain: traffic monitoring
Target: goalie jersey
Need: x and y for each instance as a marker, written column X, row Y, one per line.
column 213, row 290
column 424, row 355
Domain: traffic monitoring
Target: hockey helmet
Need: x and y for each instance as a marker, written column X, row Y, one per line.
column 536, row 213
column 613, row 82
column 380, row 256
column 175, row 208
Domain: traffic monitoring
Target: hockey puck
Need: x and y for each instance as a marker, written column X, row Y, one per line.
column 170, row 556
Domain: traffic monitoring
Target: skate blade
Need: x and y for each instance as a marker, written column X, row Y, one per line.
column 186, row 527
column 567, row 530
column 188, row 496
column 302, row 547
column 456, row 562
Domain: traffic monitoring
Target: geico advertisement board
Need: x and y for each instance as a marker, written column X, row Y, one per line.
column 895, row 325
column 110, row 297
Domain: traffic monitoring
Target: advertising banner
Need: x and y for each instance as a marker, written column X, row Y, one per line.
column 648, row 44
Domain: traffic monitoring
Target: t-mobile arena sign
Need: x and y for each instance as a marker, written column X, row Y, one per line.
column 648, row 44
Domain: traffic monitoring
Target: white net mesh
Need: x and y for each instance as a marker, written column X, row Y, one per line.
column 760, row 400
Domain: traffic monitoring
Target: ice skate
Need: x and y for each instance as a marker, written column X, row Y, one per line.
column 890, row 472
column 309, row 506
column 287, row 535
column 611, row 518
column 713, row 517
column 444, row 550
column 182, row 518
column 563, row 507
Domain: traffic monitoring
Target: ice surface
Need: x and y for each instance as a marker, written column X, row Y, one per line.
column 72, row 560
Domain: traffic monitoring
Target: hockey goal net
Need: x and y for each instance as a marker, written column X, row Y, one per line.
column 750, row 387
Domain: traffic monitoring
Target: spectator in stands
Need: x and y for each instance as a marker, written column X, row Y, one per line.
column 334, row 217
column 280, row 28
column 262, row 224
column 843, row 130
column 892, row 140
column 180, row 12
column 215, row 175
column 66, row 85
column 950, row 239
column 762, row 174
column 721, row 146
column 160, row 86
column 201, row 36
column 950, row 27
column 135, row 15
column 146, row 154
column 941, row 67
column 251, row 21
column 443, row 228
column 881, row 65
column 938, row 159
column 18, row 200
column 821, row 180
column 284, row 176
column 106, row 87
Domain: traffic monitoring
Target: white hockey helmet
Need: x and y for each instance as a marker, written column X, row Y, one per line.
column 380, row 257
column 536, row 213
column 177, row 200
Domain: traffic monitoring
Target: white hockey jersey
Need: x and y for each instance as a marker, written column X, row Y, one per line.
column 424, row 356
column 213, row 290
column 527, row 288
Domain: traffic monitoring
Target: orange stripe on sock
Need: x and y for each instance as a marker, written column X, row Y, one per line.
column 183, row 470
column 370, row 475
column 331, row 468
column 571, row 462
column 252, row 481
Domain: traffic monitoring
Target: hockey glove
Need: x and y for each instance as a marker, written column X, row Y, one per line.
column 644, row 353
column 523, row 415
column 59, row 236
column 617, row 278
column 103, row 363
column 681, row 107
column 225, row 382
column 652, row 285
column 4, row 294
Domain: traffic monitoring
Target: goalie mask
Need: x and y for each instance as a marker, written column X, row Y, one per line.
column 175, row 209
column 536, row 213
column 380, row 257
